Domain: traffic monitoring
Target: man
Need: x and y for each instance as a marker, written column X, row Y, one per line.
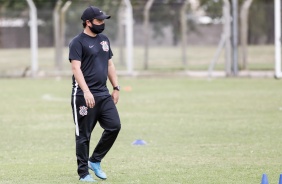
column 90, row 56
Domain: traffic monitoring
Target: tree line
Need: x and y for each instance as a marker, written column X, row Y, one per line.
column 163, row 12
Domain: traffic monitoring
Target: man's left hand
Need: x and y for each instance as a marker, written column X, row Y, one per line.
column 115, row 96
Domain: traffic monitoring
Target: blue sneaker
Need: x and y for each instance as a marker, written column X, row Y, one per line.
column 87, row 178
column 95, row 166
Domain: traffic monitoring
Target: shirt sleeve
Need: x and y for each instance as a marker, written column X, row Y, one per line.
column 75, row 50
column 110, row 50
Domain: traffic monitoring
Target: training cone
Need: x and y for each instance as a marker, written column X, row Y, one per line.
column 280, row 179
column 264, row 179
column 139, row 142
column 127, row 88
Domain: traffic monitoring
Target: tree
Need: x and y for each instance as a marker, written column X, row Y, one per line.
column 260, row 13
column 146, row 31
column 212, row 8
column 162, row 13
column 262, row 24
column 244, row 17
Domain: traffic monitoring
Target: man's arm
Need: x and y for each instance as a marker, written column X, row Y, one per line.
column 113, row 79
column 89, row 99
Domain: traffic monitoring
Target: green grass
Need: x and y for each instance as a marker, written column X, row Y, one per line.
column 198, row 131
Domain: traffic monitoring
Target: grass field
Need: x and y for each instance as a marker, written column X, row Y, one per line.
column 198, row 132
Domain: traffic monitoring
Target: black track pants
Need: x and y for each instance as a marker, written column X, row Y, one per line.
column 85, row 119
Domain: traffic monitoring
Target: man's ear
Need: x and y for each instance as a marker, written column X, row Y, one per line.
column 88, row 23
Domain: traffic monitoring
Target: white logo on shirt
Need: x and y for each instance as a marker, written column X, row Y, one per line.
column 105, row 46
column 90, row 46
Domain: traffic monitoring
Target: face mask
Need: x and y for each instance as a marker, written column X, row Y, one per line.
column 96, row 29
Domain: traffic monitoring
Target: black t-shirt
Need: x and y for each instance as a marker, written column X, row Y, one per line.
column 94, row 54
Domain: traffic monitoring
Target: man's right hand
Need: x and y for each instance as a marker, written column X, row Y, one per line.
column 89, row 99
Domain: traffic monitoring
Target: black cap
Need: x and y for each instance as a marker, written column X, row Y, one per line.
column 93, row 12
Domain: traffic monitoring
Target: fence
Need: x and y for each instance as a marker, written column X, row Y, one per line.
column 164, row 54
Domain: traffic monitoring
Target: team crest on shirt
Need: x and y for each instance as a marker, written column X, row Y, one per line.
column 105, row 46
column 83, row 110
